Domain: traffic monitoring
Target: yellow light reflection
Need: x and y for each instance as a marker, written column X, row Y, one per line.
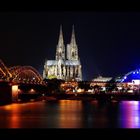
column 8, row 107
column 13, row 116
column 70, row 114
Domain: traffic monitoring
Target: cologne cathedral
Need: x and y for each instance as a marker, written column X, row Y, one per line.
column 67, row 65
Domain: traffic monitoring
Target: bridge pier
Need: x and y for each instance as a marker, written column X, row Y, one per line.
column 14, row 93
column 5, row 93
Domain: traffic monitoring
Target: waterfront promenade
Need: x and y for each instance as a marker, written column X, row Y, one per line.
column 107, row 97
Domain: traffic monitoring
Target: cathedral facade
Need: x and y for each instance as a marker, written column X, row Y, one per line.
column 67, row 65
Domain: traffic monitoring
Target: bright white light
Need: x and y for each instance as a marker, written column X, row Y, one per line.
column 119, row 88
column 136, row 82
column 136, row 102
column 130, row 91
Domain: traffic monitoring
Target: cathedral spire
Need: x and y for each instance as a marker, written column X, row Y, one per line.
column 73, row 40
column 72, row 48
column 60, row 49
column 61, row 40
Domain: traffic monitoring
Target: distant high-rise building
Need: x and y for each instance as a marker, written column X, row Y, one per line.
column 66, row 68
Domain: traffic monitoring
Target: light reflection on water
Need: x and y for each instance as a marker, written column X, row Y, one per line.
column 130, row 114
column 71, row 114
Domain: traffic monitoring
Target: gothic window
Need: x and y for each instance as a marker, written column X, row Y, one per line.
column 73, row 54
column 59, row 54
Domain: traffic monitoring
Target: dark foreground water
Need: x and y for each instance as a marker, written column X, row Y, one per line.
column 71, row 114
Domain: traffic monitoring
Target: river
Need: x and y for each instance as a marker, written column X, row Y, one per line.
column 71, row 114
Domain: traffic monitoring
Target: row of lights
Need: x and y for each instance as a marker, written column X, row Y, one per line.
column 135, row 72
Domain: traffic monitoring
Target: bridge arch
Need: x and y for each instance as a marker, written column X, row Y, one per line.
column 5, row 75
column 25, row 74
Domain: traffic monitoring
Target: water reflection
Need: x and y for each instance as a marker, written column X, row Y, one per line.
column 129, row 114
column 71, row 114
column 24, row 115
column 94, row 115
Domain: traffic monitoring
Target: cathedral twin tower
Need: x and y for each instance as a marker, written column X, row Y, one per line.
column 66, row 67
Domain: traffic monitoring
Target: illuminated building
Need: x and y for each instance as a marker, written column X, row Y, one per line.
column 132, row 77
column 102, row 79
column 130, row 80
column 65, row 66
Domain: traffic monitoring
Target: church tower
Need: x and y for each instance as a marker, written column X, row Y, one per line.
column 60, row 49
column 62, row 68
column 72, row 49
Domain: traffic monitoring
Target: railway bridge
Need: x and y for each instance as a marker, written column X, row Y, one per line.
column 19, row 80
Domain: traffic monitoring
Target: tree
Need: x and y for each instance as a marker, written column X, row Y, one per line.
column 52, row 77
column 53, row 86
column 84, row 85
column 111, row 85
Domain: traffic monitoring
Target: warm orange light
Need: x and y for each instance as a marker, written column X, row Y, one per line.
column 80, row 90
column 15, row 92
column 67, row 119
column 8, row 107
column 15, row 88
column 32, row 90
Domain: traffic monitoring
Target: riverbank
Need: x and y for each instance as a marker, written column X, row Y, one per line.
column 89, row 97
column 82, row 97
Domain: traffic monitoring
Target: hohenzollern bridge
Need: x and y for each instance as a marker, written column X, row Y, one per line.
column 20, row 75
column 18, row 79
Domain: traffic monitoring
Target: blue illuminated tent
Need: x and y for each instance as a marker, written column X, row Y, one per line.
column 133, row 75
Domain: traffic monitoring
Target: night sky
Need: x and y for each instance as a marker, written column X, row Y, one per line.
column 108, row 42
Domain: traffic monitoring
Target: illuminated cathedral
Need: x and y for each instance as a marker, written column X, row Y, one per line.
column 67, row 65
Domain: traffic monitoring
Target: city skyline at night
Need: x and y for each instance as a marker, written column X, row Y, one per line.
column 108, row 42
column 70, row 65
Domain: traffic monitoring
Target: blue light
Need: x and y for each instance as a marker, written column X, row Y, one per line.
column 137, row 72
column 133, row 72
